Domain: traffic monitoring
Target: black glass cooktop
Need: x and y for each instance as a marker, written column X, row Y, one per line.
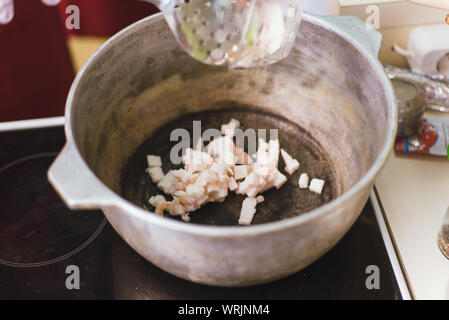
column 43, row 245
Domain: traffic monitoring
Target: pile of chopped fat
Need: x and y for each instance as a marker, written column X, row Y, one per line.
column 209, row 175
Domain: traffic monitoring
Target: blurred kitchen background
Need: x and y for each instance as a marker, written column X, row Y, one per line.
column 39, row 56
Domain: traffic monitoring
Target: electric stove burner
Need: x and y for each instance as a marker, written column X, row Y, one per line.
column 39, row 233
column 36, row 228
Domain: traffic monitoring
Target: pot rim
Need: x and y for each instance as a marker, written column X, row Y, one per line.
column 231, row 231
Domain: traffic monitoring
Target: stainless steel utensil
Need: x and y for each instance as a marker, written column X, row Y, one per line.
column 239, row 33
column 331, row 88
column 410, row 99
column 436, row 86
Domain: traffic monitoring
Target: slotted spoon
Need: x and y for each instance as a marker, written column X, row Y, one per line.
column 235, row 33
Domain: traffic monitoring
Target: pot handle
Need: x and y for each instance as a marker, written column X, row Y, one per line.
column 78, row 187
column 358, row 30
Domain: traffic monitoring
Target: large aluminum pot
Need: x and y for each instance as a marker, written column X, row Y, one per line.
column 331, row 85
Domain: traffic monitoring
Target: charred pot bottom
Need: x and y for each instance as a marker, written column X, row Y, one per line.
column 287, row 202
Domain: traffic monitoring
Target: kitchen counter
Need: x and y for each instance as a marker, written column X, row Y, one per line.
column 414, row 194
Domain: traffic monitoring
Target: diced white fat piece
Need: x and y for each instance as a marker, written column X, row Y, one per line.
column 316, row 185
column 263, row 159
column 219, row 168
column 233, row 184
column 184, row 175
column 156, row 200
column 196, row 161
column 273, row 151
column 156, row 174
column 199, row 146
column 185, row 217
column 222, row 193
column 217, row 191
column 291, row 165
column 242, row 157
column 253, row 191
column 228, row 155
column 250, row 181
column 167, row 183
column 266, row 175
column 229, row 171
column 264, row 182
column 202, row 200
column 180, row 193
column 262, row 148
column 161, row 207
column 248, row 210
column 303, row 181
column 229, row 128
column 195, row 190
column 267, row 157
column 213, row 147
column 206, row 177
column 235, row 123
column 154, row 161
column 175, row 207
column 224, row 149
column 223, row 178
column 264, row 170
column 260, row 199
column 241, row 171
column 279, row 179
column 267, row 186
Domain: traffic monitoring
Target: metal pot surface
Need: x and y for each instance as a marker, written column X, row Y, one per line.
column 330, row 99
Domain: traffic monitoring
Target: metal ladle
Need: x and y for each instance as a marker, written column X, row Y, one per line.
column 237, row 33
